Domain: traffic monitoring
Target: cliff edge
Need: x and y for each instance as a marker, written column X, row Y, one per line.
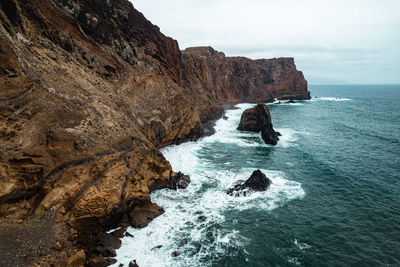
column 90, row 90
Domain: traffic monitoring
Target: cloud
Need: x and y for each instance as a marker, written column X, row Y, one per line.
column 357, row 41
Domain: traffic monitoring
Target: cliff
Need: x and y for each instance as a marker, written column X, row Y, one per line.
column 239, row 79
column 90, row 90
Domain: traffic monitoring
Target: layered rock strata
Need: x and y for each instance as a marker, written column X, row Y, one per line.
column 89, row 91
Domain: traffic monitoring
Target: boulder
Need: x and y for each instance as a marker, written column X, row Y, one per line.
column 258, row 181
column 177, row 180
column 182, row 181
column 175, row 254
column 133, row 264
column 291, row 101
column 142, row 215
column 259, row 119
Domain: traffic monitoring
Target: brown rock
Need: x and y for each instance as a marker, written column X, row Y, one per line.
column 259, row 119
column 97, row 261
column 57, row 246
column 128, row 234
column 77, row 260
column 175, row 254
column 144, row 214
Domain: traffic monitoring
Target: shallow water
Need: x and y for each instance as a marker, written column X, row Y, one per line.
column 334, row 198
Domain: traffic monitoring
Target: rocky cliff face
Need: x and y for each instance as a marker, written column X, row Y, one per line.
column 239, row 79
column 89, row 90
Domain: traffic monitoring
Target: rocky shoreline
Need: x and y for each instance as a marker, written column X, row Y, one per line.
column 90, row 91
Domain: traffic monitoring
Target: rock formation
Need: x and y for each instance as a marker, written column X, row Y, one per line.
column 89, row 91
column 257, row 182
column 258, row 119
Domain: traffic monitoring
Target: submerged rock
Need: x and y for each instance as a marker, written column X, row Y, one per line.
column 175, row 254
column 157, row 247
column 258, row 181
column 259, row 119
column 291, row 101
column 133, row 264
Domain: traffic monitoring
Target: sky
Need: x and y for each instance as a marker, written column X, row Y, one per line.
column 340, row 41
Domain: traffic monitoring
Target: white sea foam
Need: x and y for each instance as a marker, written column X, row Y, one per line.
column 193, row 222
column 301, row 246
column 330, row 99
column 285, row 103
column 289, row 136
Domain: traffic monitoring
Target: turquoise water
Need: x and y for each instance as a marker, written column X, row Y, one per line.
column 334, row 198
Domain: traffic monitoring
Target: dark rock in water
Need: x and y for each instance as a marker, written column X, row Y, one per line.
column 175, row 254
column 182, row 181
column 257, row 182
column 157, row 247
column 109, row 242
column 225, row 117
column 291, row 101
column 142, row 215
column 119, row 233
column 133, row 264
column 111, row 261
column 177, row 180
column 128, row 234
column 259, row 119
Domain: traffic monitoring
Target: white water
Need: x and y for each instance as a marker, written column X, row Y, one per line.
column 193, row 222
column 330, row 99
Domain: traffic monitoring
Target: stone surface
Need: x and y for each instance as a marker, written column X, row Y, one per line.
column 97, row 261
column 175, row 254
column 133, row 264
column 90, row 90
column 258, row 181
column 77, row 260
column 258, row 119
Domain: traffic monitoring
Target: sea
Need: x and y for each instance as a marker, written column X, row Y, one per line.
column 334, row 198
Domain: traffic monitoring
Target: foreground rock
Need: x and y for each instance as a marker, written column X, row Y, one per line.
column 258, row 119
column 258, row 181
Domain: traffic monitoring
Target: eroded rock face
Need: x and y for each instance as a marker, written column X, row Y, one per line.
column 239, row 79
column 258, row 119
column 257, row 182
column 89, row 91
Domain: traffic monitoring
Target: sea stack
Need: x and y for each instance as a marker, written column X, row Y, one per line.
column 258, row 181
column 259, row 119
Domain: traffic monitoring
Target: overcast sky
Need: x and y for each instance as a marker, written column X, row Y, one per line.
column 340, row 41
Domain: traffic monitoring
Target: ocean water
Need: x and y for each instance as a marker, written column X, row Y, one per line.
column 334, row 201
